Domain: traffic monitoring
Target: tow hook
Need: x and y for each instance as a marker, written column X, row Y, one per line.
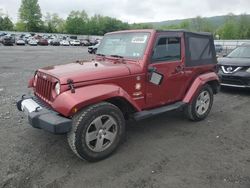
column 71, row 85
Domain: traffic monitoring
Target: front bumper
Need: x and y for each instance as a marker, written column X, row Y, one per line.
column 41, row 117
column 239, row 79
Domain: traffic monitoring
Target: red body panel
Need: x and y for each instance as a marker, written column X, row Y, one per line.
column 198, row 83
column 105, row 78
column 87, row 71
column 85, row 96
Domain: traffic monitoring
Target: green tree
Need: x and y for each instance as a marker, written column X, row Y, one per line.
column 99, row 25
column 229, row 29
column 185, row 25
column 6, row 24
column 20, row 26
column 94, row 25
column 30, row 15
column 243, row 27
column 54, row 24
column 141, row 26
column 200, row 24
column 76, row 22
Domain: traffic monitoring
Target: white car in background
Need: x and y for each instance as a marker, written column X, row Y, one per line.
column 32, row 42
column 20, row 42
column 64, row 43
column 75, row 43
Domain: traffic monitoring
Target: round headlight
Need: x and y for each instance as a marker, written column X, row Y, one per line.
column 248, row 70
column 35, row 80
column 57, row 88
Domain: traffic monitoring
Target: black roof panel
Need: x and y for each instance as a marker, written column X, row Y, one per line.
column 185, row 31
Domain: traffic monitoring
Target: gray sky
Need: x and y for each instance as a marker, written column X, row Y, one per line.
column 136, row 10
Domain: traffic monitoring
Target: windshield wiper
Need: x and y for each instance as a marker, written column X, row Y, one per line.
column 100, row 55
column 119, row 56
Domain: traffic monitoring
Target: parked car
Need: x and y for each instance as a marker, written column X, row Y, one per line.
column 93, row 49
column 218, row 48
column 75, row 43
column 64, row 43
column 32, row 42
column 8, row 40
column 235, row 68
column 132, row 77
column 2, row 34
column 20, row 42
column 43, row 42
column 55, row 42
column 85, row 42
column 93, row 41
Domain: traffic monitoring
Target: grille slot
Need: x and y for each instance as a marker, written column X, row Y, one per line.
column 43, row 88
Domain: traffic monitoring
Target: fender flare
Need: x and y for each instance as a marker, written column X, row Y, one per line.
column 198, row 83
column 66, row 102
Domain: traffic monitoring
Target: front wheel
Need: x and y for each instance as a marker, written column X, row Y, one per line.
column 96, row 131
column 199, row 108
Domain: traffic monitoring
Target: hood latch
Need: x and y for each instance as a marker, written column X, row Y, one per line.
column 71, row 85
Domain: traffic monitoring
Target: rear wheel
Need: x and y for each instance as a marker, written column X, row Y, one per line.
column 97, row 131
column 201, row 105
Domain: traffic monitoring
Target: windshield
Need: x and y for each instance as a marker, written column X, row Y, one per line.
column 240, row 52
column 128, row 45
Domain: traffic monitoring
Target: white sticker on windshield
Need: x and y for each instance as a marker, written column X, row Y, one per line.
column 139, row 39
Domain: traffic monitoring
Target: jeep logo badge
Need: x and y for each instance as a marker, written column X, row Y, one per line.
column 44, row 77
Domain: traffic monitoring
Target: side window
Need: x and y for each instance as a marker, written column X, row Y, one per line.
column 199, row 48
column 167, row 49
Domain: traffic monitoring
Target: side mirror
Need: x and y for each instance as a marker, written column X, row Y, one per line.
column 224, row 55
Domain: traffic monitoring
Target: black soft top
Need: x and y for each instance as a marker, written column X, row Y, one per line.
column 199, row 47
column 185, row 31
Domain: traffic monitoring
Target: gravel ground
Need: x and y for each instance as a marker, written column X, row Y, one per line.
column 164, row 151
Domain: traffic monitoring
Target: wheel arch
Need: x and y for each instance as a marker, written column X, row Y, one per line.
column 125, row 106
column 215, row 85
column 210, row 78
column 69, row 103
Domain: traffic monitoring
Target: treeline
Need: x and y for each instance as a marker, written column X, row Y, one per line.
column 78, row 22
column 234, row 27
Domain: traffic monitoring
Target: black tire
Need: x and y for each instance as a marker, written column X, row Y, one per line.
column 82, row 122
column 191, row 110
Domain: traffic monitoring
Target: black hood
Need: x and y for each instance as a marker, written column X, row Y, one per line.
column 241, row 62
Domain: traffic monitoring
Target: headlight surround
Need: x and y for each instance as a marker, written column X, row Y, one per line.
column 58, row 88
column 248, row 70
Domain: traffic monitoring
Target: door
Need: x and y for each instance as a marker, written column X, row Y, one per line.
column 167, row 60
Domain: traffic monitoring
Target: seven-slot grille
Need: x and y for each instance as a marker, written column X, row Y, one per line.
column 44, row 87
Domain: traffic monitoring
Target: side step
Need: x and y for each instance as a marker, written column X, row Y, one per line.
column 148, row 113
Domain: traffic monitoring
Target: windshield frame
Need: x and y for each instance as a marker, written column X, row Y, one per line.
column 134, row 58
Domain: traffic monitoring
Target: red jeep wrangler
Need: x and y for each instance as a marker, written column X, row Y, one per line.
column 135, row 74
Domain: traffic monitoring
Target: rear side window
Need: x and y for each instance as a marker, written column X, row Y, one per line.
column 199, row 50
column 167, row 49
